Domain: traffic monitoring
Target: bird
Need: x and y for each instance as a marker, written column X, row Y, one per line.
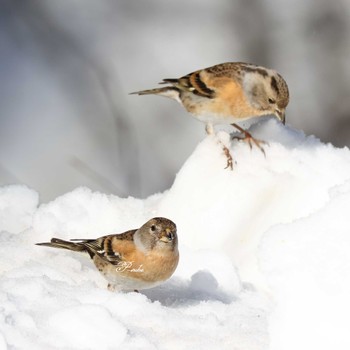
column 228, row 93
column 134, row 260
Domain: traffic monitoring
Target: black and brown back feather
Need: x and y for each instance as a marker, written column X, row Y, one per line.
column 101, row 246
column 191, row 82
column 194, row 82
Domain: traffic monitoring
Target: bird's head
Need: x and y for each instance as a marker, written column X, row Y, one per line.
column 158, row 233
column 266, row 91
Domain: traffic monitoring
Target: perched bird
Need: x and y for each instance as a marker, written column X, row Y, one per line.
column 133, row 260
column 228, row 93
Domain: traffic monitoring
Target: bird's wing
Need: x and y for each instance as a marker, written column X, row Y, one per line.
column 192, row 82
column 111, row 248
column 205, row 81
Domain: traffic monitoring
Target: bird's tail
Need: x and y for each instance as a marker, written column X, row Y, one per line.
column 60, row 243
column 167, row 91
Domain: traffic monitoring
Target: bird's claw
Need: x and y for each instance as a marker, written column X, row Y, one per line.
column 227, row 153
column 252, row 141
column 247, row 137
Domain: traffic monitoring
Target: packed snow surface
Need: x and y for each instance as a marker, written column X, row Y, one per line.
column 264, row 256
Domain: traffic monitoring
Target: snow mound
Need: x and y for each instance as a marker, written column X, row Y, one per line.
column 263, row 256
column 308, row 266
column 231, row 210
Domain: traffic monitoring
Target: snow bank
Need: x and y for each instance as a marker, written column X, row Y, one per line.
column 308, row 266
column 279, row 224
column 231, row 210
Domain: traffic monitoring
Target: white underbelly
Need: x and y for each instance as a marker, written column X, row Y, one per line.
column 210, row 118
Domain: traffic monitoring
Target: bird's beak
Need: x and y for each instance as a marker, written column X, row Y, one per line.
column 167, row 236
column 281, row 115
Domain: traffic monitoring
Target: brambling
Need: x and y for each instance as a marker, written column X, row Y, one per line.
column 228, row 93
column 133, row 260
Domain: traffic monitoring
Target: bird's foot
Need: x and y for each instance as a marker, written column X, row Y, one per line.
column 226, row 150
column 210, row 131
column 247, row 137
column 229, row 158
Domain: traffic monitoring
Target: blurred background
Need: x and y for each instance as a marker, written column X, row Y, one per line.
column 66, row 68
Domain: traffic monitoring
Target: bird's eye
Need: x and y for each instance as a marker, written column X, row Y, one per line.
column 272, row 101
column 153, row 228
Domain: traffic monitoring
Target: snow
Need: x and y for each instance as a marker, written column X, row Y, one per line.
column 264, row 260
column 308, row 266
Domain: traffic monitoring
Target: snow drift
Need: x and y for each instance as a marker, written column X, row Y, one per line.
column 264, row 260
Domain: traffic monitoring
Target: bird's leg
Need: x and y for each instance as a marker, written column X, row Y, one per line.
column 250, row 139
column 210, row 130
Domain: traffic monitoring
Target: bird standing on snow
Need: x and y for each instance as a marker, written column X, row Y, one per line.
column 228, row 93
column 136, row 259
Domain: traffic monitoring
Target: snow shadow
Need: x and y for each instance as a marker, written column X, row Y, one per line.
column 178, row 292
